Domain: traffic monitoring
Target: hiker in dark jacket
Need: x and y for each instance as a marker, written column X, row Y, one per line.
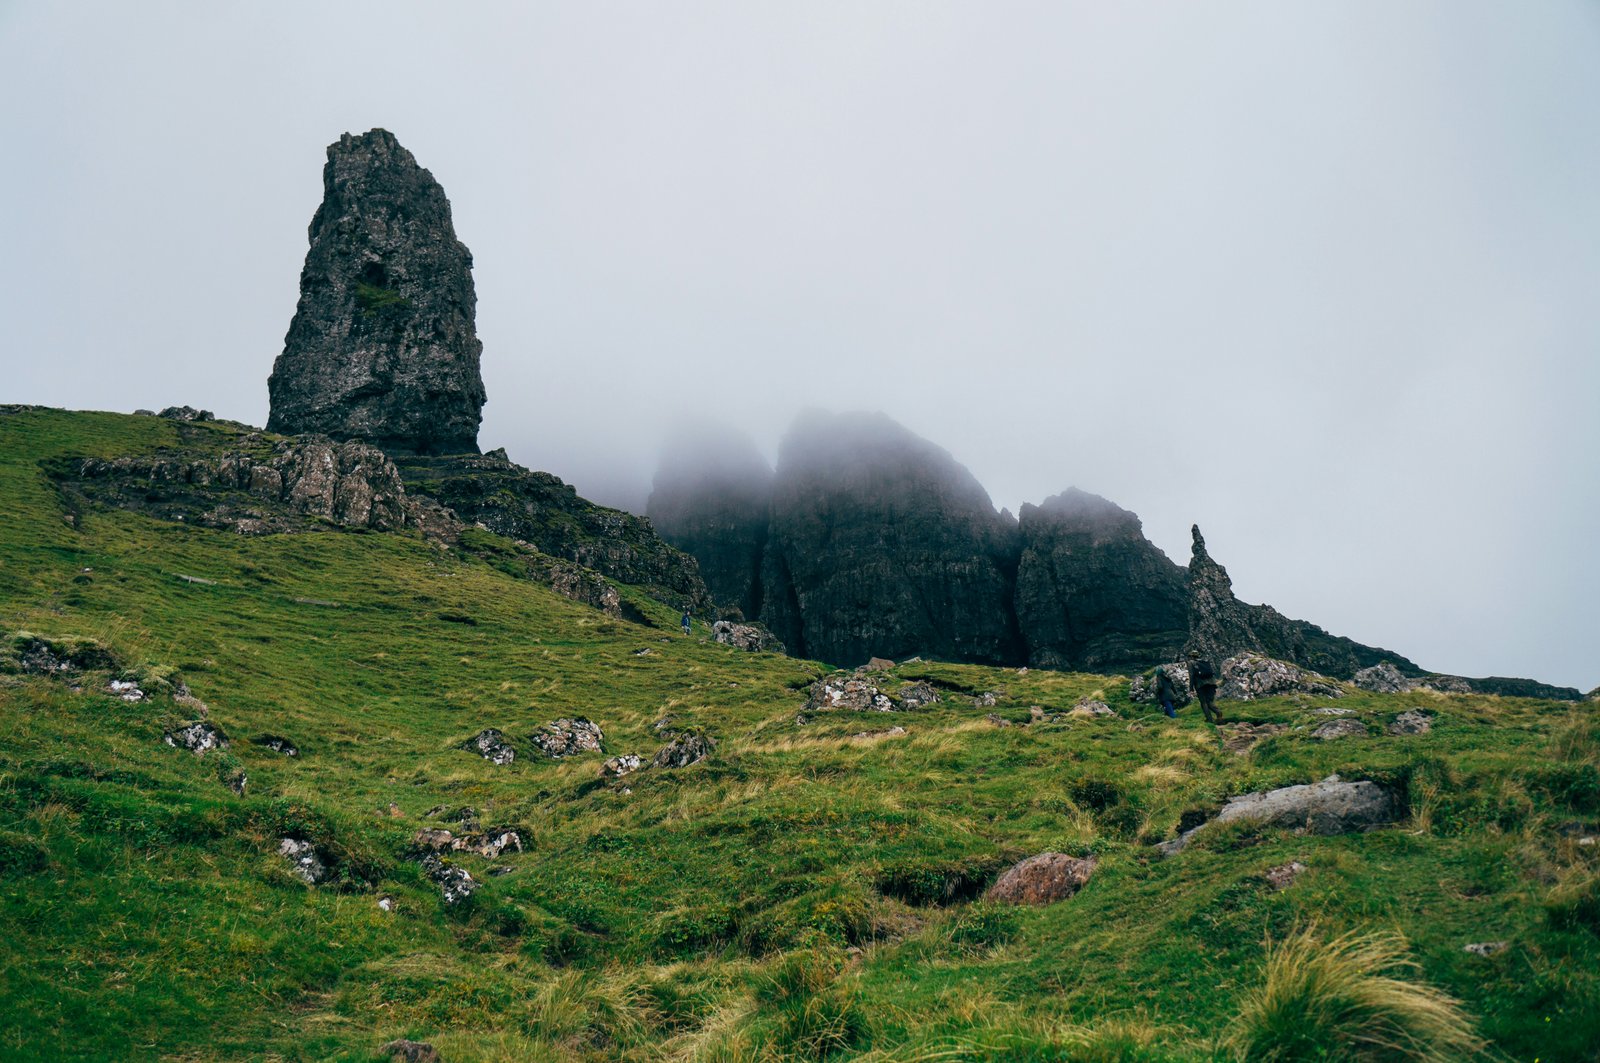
column 1203, row 681
column 685, row 621
column 1166, row 693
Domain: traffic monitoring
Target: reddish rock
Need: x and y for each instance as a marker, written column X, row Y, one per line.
column 1042, row 879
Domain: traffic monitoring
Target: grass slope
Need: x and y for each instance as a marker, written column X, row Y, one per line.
column 802, row 895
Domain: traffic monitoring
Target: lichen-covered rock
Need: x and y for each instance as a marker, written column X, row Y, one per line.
column 126, row 689
column 1445, row 684
column 187, row 413
column 618, row 766
column 918, row 695
column 454, row 883
column 850, row 691
column 304, row 859
column 1334, row 730
column 1142, row 688
column 278, row 744
column 568, row 737
column 383, row 345
column 491, row 843
column 1412, row 722
column 408, row 1051
column 490, row 744
column 1284, row 875
column 751, row 637
column 1382, row 678
column 198, row 738
column 1042, row 879
column 1250, row 675
column 42, row 655
column 686, row 749
column 1090, row 707
column 433, row 839
column 1331, row 806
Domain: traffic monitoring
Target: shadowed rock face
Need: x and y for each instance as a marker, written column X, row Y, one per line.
column 1092, row 592
column 880, row 544
column 383, row 345
column 710, row 499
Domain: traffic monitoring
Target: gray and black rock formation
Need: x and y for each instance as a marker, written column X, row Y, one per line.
column 881, row 544
column 1092, row 592
column 1331, row 806
column 383, row 345
column 711, row 499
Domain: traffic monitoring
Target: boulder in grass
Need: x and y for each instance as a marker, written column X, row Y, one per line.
column 304, row 859
column 1332, row 806
column 491, row 745
column 198, row 738
column 918, row 695
column 618, row 766
column 1382, row 678
column 490, row 843
column 1412, row 722
column 278, row 744
column 1345, row 727
column 568, row 737
column 1283, row 876
column 454, row 883
column 1042, row 879
column 1090, row 707
column 684, row 750
column 408, row 1051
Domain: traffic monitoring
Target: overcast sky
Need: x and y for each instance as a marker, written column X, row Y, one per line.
column 1321, row 277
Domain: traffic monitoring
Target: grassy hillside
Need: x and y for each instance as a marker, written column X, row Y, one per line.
column 802, row 894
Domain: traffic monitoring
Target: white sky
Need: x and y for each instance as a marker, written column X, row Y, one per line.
column 1322, row 277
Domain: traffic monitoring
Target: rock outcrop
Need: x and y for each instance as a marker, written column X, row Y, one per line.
column 1042, row 879
column 711, row 499
column 749, row 637
column 1331, row 806
column 541, row 510
column 383, row 345
column 1092, row 592
column 880, row 544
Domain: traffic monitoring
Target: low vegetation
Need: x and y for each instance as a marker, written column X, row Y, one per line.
column 810, row 891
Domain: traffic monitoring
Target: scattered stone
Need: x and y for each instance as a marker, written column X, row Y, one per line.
column 1485, row 948
column 1042, row 879
column 1412, row 722
column 278, row 744
column 1241, row 738
column 237, row 781
column 1332, row 710
column 1331, row 806
column 386, row 904
column 126, row 689
column 304, row 859
column 453, row 882
column 892, row 732
column 619, row 766
column 568, row 737
column 1248, row 676
column 1039, row 714
column 1090, row 707
column 1283, row 876
column 918, row 695
column 46, row 656
column 748, row 637
column 1382, row 678
column 997, row 720
column 879, row 664
column 434, row 839
column 198, row 738
column 988, row 699
column 490, row 843
column 666, row 725
column 187, row 413
column 684, row 750
column 848, row 691
column 491, row 745
column 646, row 652
column 1334, row 730
column 411, row 1051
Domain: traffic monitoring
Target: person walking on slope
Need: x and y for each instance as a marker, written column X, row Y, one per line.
column 1203, row 681
column 1166, row 694
column 685, row 621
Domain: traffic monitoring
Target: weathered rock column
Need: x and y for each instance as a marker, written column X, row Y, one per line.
column 383, row 345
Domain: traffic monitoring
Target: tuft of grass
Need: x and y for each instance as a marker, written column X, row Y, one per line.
column 1344, row 999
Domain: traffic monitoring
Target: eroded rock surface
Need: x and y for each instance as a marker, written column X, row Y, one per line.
column 455, row 885
column 568, row 737
column 303, row 859
column 1334, row 730
column 491, row 745
column 1382, row 678
column 198, row 738
column 1248, row 676
column 383, row 345
column 850, row 691
column 686, row 749
column 751, row 637
column 1042, row 879
column 1331, row 806
column 1412, row 722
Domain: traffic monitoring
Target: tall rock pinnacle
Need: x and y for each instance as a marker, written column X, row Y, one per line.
column 383, row 345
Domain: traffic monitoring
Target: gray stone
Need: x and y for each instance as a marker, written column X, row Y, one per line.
column 198, row 738
column 303, row 859
column 622, row 765
column 187, row 413
column 1331, row 806
column 1485, row 948
column 684, row 750
column 454, row 883
column 1334, row 730
column 278, row 744
column 1412, row 722
column 491, row 745
column 1089, row 707
column 1042, row 879
column 491, row 843
column 1248, row 676
column 568, row 737
column 1284, row 875
column 411, row 1051
column 850, row 691
column 918, row 695
column 750, row 637
column 1382, row 678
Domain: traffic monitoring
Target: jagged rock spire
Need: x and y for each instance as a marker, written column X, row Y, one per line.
column 383, row 345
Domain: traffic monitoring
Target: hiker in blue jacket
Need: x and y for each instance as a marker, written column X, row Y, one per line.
column 1166, row 693
column 685, row 621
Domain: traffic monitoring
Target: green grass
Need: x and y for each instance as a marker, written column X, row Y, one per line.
column 802, row 895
